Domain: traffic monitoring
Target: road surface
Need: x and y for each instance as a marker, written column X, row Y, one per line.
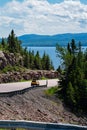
column 10, row 87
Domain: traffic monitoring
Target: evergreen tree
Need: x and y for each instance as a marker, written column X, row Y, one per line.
column 26, row 58
column 3, row 43
column 70, row 94
column 51, row 66
column 59, row 69
column 73, row 46
column 68, row 48
column 47, row 64
column 31, row 55
column 37, row 61
column 44, row 61
column 13, row 43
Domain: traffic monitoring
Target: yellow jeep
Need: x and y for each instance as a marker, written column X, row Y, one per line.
column 34, row 83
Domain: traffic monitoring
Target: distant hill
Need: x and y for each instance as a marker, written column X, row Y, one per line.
column 47, row 40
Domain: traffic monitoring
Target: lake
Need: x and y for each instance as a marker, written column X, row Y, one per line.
column 51, row 51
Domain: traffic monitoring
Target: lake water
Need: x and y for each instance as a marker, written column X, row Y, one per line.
column 51, row 51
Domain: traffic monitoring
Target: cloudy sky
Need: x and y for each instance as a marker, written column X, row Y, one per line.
column 42, row 16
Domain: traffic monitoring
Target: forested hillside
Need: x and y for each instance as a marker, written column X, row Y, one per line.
column 14, row 56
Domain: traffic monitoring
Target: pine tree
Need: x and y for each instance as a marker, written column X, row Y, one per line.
column 47, row 64
column 31, row 55
column 69, row 48
column 51, row 66
column 3, row 42
column 73, row 46
column 26, row 58
column 44, row 61
column 59, row 69
column 13, row 43
column 37, row 61
column 70, row 94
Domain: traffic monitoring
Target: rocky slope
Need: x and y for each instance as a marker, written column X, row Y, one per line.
column 27, row 75
column 9, row 59
column 34, row 105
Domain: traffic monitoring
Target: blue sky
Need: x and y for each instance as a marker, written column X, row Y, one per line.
column 2, row 2
column 43, row 16
column 55, row 1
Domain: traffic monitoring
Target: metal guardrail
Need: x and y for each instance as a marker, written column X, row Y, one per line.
column 39, row 125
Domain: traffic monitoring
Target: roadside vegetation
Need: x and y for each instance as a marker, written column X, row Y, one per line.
column 51, row 91
column 28, row 59
column 73, row 81
column 10, row 68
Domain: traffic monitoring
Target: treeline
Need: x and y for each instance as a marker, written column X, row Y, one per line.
column 29, row 59
column 73, row 81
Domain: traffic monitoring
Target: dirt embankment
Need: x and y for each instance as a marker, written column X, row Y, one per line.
column 34, row 105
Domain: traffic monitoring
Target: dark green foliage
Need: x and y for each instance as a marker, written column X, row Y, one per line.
column 59, row 69
column 68, row 48
column 46, row 62
column 37, row 61
column 3, row 45
column 3, row 42
column 10, row 68
column 14, row 45
column 26, row 58
column 70, row 94
column 34, row 61
column 74, row 79
column 51, row 66
column 73, row 46
column 31, row 55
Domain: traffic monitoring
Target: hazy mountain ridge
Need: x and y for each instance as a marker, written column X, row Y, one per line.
column 52, row 40
column 48, row 40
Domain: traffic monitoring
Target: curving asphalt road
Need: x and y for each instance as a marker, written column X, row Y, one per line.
column 10, row 87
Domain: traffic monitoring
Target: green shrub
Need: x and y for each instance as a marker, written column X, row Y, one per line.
column 10, row 68
column 51, row 91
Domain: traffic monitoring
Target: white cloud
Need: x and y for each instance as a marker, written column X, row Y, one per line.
column 39, row 16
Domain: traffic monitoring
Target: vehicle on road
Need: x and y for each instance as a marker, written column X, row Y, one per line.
column 34, row 82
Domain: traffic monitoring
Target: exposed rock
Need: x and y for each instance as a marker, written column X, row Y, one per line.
column 27, row 75
column 9, row 59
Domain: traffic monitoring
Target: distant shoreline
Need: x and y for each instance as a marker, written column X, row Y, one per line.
column 46, row 46
column 37, row 46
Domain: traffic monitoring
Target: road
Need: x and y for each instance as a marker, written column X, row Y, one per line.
column 10, row 87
